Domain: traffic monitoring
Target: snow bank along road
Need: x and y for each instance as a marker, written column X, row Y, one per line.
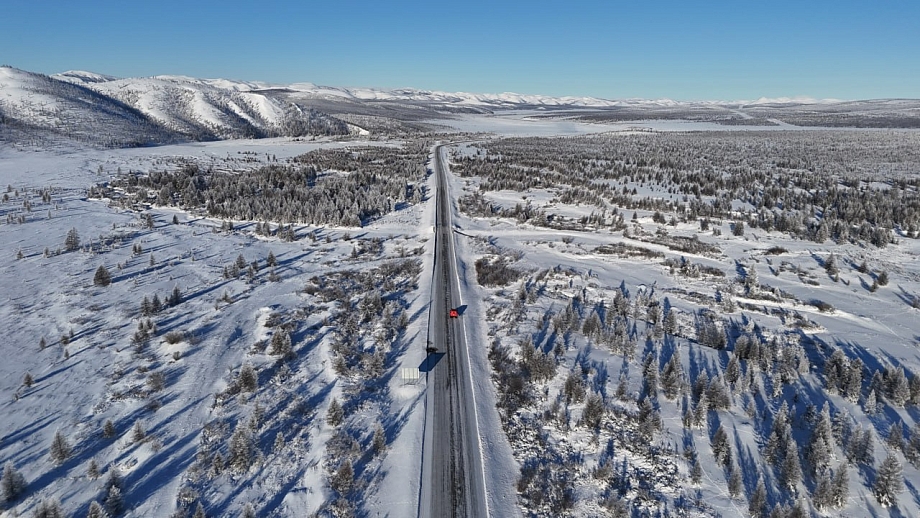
column 452, row 477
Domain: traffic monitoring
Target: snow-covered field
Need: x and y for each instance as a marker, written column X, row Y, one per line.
column 94, row 368
column 594, row 300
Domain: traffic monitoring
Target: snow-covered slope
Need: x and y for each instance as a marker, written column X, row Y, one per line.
column 82, row 77
column 39, row 106
column 204, row 109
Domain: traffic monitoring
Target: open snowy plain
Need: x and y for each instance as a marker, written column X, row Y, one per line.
column 665, row 317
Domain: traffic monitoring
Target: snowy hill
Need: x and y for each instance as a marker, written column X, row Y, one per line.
column 94, row 108
column 36, row 106
column 206, row 110
column 82, row 77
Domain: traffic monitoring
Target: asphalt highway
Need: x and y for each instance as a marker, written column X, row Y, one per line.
column 452, row 482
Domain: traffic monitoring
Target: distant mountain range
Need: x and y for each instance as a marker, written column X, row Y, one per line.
column 103, row 110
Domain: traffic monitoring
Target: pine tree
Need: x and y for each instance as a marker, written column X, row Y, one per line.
column 72, row 241
column 344, row 478
column 199, row 511
column 854, row 380
column 60, row 449
column 48, row 509
column 96, row 510
column 593, row 412
column 281, row 344
column 380, row 439
column 883, row 279
column 799, row 510
column 888, row 482
column 758, row 500
column 898, row 389
column 840, row 487
column 137, row 432
column 241, row 450
column 114, row 479
column 819, row 449
column 671, row 376
column 108, row 429
column 791, row 472
column 735, row 484
column 914, row 386
column 896, row 437
column 823, row 495
column 12, row 484
column 92, row 470
column 176, row 298
column 871, row 403
column 27, row 380
column 248, row 511
column 271, row 261
column 114, row 501
column 248, row 379
column 102, row 277
column 721, row 448
column 830, row 265
column 696, row 471
column 335, row 414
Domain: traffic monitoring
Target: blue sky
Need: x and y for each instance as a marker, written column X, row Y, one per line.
column 715, row 50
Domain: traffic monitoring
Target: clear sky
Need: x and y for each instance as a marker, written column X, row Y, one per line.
column 684, row 50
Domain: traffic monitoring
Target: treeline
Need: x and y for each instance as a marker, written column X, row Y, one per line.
column 323, row 187
column 844, row 186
